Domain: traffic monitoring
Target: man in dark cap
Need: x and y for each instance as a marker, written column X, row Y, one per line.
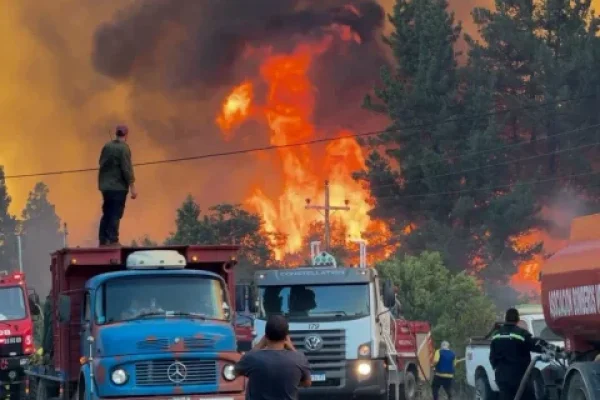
column 115, row 180
column 510, row 355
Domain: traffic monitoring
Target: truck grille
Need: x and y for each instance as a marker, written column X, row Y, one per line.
column 330, row 359
column 160, row 344
column 156, row 372
column 10, row 346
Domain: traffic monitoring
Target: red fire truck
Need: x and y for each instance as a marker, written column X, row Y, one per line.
column 16, row 330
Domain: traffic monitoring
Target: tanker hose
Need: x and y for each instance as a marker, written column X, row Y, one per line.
column 525, row 379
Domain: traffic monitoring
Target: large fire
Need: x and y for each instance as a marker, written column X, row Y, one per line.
column 288, row 111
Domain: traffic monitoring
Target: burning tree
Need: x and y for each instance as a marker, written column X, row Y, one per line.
column 432, row 173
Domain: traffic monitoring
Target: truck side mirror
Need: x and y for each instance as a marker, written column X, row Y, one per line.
column 64, row 308
column 252, row 300
column 240, row 298
column 34, row 304
column 389, row 295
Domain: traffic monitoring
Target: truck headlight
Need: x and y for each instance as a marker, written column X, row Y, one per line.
column 364, row 350
column 229, row 372
column 363, row 369
column 119, row 377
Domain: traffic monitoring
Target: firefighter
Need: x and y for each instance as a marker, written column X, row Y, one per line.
column 444, row 362
column 510, row 355
column 115, row 180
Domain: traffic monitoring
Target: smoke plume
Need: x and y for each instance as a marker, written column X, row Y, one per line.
column 73, row 69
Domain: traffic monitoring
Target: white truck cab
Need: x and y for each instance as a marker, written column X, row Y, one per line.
column 339, row 319
column 480, row 374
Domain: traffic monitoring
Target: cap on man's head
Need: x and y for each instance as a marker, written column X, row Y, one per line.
column 512, row 316
column 122, row 130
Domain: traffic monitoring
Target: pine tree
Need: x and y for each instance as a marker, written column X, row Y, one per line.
column 189, row 229
column 8, row 226
column 41, row 236
column 444, row 194
column 545, row 55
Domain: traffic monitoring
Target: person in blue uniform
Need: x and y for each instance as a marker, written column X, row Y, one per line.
column 444, row 362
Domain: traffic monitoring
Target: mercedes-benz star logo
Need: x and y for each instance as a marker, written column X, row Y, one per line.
column 177, row 372
column 313, row 343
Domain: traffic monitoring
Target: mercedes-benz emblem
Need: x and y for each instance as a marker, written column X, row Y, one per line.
column 177, row 372
column 313, row 343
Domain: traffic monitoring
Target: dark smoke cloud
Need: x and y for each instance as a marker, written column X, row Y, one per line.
column 214, row 34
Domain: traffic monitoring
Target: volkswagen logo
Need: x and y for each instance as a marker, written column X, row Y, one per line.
column 313, row 343
column 177, row 372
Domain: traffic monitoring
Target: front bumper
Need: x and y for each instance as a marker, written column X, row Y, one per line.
column 12, row 369
column 351, row 385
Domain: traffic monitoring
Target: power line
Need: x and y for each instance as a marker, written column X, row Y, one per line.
column 509, row 162
column 508, row 186
column 305, row 143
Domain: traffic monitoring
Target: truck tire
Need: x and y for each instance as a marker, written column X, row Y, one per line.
column 41, row 392
column 577, row 389
column 408, row 391
column 483, row 391
column 538, row 386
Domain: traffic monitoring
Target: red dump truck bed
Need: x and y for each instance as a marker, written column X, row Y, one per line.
column 571, row 286
column 72, row 268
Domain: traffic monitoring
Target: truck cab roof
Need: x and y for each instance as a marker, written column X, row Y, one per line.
column 98, row 280
column 314, row 276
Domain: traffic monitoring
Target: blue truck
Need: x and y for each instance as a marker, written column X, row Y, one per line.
column 133, row 323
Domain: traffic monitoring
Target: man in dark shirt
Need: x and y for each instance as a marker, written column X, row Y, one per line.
column 115, row 179
column 510, row 355
column 274, row 368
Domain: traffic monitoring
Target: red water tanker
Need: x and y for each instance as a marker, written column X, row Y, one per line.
column 571, row 299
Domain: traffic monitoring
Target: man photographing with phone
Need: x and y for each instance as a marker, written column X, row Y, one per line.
column 275, row 370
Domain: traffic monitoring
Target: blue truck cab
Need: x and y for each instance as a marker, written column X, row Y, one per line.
column 140, row 323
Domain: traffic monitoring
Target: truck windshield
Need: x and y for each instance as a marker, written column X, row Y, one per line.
column 159, row 296
column 12, row 303
column 300, row 302
column 541, row 330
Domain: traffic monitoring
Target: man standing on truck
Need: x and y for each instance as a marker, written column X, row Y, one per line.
column 510, row 355
column 274, row 368
column 115, row 179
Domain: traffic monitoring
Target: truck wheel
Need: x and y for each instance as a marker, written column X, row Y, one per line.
column 408, row 391
column 41, row 392
column 538, row 386
column 483, row 391
column 577, row 389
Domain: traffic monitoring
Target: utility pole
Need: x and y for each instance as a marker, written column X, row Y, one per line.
column 327, row 208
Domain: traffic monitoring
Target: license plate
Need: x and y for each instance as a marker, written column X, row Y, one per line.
column 180, row 398
column 318, row 378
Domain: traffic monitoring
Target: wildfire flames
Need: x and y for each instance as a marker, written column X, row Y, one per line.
column 288, row 111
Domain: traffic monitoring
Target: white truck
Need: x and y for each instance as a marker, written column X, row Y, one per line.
column 480, row 374
column 339, row 317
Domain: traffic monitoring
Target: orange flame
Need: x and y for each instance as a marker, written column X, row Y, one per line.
column 236, row 108
column 288, row 111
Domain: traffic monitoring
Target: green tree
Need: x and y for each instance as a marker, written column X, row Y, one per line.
column 452, row 302
column 435, row 183
column 8, row 226
column 41, row 236
column 223, row 224
column 544, row 54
